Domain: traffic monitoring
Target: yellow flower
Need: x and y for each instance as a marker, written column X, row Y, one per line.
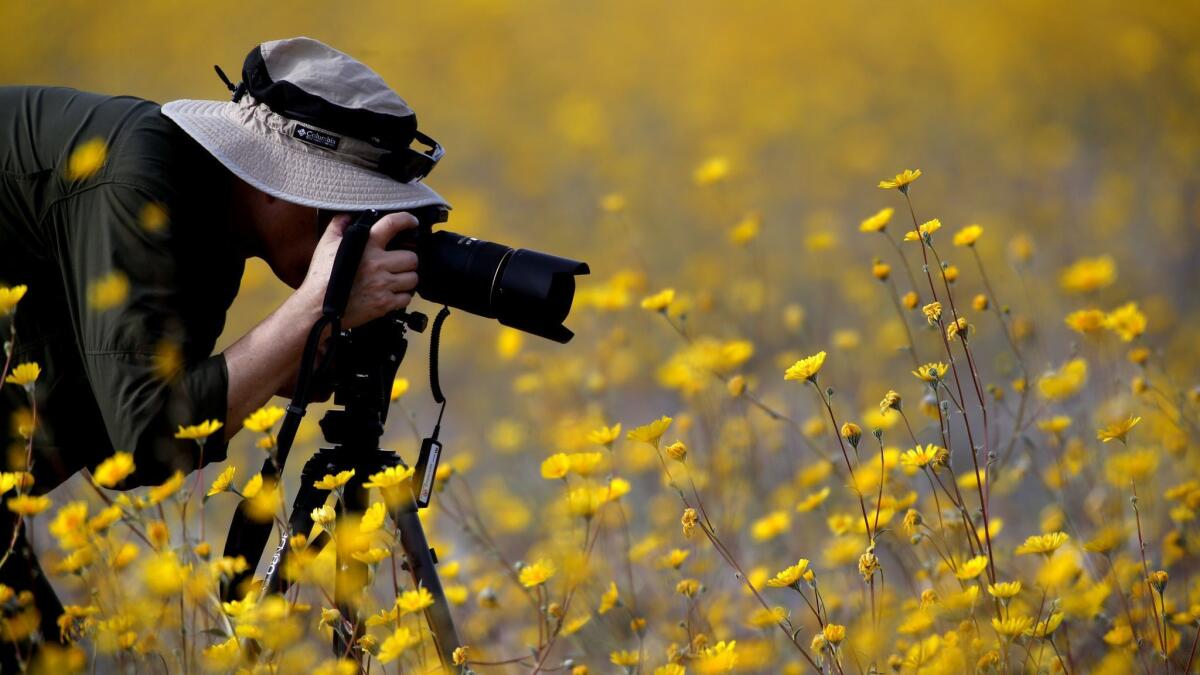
column 1086, row 321
column 1118, row 430
column 323, row 515
column 399, row 388
column 624, row 658
column 911, row 299
column 414, row 601
column 460, row 655
column 164, row 575
column 901, row 181
column 605, row 435
column 159, row 493
column 675, row 558
column 834, row 633
column 153, row 217
column 371, row 556
column 1044, row 544
column 10, row 296
column 932, row 312
column 771, row 525
column 389, row 477
column 613, row 202
column 332, row 482
column 931, row 372
column 253, row 486
column 1089, row 274
column 806, row 368
column 852, row 433
column 956, row 328
column 223, row 655
column 198, row 432
column 1055, row 425
column 688, row 520
column 585, row 463
column 980, row 302
column 1065, row 382
column 263, row 419
column 688, row 587
column 813, row 500
column 608, row 599
column 396, row 644
column 712, row 170
column 1011, row 626
column 1004, row 590
column 968, row 235
column 746, row 229
column 877, row 222
column 556, row 466
column 537, row 573
column 677, row 451
column 924, row 231
column 86, row 159
column 920, row 457
column 659, row 301
column 113, row 470
column 1126, row 321
column 29, row 505
column 108, row 291
column 880, row 270
column 222, row 481
column 790, row 576
column 652, row 432
column 24, row 375
column 372, row 518
column 890, row 401
column 1044, row 628
column 972, row 568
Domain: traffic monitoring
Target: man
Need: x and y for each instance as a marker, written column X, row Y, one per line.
column 130, row 226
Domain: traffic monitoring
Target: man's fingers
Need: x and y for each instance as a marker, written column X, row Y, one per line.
column 402, row 283
column 397, row 262
column 336, row 228
column 387, row 227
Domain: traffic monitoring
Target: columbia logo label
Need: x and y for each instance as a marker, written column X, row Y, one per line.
column 314, row 137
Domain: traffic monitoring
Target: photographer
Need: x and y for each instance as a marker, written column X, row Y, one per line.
column 130, row 225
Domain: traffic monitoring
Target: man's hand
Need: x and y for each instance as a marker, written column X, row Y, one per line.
column 386, row 279
column 264, row 361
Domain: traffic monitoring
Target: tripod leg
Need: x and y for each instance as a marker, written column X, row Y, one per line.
column 350, row 576
column 420, row 563
column 307, row 499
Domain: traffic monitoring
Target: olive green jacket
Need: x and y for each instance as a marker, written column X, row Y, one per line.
column 117, row 223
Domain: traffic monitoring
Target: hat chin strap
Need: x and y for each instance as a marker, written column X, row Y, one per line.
column 238, row 90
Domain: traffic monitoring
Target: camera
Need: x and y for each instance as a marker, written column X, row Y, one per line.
column 528, row 290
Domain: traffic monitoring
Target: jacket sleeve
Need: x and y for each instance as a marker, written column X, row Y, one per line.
column 149, row 364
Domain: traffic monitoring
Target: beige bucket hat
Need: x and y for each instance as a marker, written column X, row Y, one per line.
column 311, row 125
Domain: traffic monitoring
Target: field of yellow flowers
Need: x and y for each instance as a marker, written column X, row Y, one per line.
column 888, row 360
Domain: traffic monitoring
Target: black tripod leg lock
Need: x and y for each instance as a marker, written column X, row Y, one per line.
column 426, row 470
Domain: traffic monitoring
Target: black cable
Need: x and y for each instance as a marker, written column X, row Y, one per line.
column 435, row 336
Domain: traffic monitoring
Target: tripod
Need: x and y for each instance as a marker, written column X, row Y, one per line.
column 365, row 361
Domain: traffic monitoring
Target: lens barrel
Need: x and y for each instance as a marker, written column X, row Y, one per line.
column 527, row 290
column 524, row 289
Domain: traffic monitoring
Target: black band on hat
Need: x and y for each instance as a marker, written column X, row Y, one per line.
column 390, row 132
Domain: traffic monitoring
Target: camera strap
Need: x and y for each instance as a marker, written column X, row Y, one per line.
column 425, row 473
column 247, row 537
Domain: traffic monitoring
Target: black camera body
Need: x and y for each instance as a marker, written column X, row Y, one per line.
column 524, row 289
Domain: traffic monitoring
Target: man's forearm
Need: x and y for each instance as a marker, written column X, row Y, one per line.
column 263, row 360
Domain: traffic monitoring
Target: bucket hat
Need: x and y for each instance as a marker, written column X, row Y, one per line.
column 313, row 126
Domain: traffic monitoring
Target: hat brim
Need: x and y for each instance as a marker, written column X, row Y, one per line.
column 291, row 174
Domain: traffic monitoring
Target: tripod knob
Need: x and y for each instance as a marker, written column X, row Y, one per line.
column 416, row 321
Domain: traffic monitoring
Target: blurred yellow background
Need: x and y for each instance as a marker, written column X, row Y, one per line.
column 730, row 151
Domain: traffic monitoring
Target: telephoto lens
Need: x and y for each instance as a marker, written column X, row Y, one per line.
column 524, row 289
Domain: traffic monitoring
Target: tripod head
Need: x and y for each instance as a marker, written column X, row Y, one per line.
column 363, row 364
